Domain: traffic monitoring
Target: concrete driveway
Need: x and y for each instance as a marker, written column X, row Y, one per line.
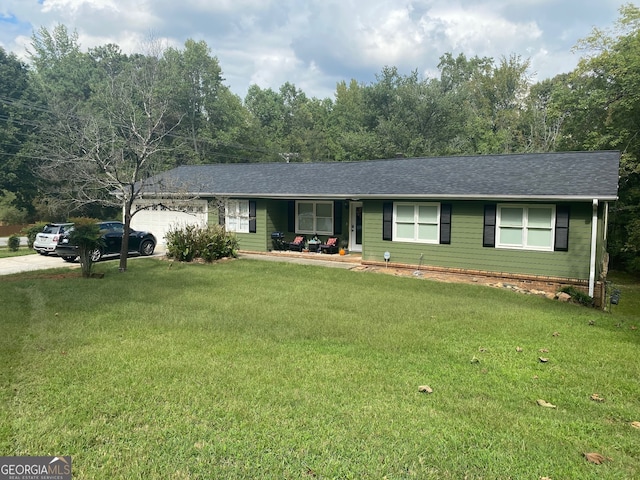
column 29, row 263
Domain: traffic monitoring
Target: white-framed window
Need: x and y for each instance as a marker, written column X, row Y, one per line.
column 528, row 227
column 236, row 216
column 416, row 222
column 314, row 217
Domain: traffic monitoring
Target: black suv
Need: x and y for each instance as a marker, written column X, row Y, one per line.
column 143, row 243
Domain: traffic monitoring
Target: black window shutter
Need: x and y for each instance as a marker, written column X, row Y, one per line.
column 489, row 233
column 337, row 217
column 387, row 221
column 291, row 216
column 252, row 216
column 445, row 223
column 562, row 228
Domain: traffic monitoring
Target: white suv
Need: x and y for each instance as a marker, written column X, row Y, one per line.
column 47, row 240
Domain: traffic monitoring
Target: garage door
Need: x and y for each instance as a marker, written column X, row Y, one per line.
column 159, row 217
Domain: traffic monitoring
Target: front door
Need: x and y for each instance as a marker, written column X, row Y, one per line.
column 355, row 226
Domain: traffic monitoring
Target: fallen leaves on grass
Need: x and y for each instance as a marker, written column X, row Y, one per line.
column 518, row 349
column 555, row 334
column 425, row 389
column 596, row 458
column 545, row 404
column 543, row 359
column 475, row 359
column 635, row 424
column 596, row 397
column 544, row 350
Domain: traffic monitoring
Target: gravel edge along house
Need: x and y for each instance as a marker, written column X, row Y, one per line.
column 537, row 216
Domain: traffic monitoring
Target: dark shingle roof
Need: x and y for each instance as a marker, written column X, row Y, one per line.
column 562, row 175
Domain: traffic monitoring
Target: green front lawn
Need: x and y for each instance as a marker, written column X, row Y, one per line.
column 23, row 250
column 254, row 369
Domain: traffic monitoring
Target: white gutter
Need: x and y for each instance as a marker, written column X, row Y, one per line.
column 594, row 242
column 606, row 221
column 352, row 196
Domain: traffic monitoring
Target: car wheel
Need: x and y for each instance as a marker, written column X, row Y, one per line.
column 147, row 247
column 69, row 259
column 96, row 255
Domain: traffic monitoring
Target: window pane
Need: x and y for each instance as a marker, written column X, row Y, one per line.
column 405, row 230
column 324, row 218
column 405, row 213
column 305, row 223
column 511, row 236
column 511, row 216
column 324, row 210
column 539, row 238
column 428, row 232
column 427, row 214
column 539, row 218
column 305, row 208
column 324, row 225
column 305, row 217
column 237, row 216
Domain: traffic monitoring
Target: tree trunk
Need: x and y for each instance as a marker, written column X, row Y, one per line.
column 124, row 249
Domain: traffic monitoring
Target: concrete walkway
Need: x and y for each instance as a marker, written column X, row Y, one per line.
column 306, row 259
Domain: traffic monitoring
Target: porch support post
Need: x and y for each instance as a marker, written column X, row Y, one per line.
column 594, row 244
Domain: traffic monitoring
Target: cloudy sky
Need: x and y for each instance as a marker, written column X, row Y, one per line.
column 317, row 43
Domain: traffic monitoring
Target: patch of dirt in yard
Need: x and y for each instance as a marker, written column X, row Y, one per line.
column 542, row 288
column 36, row 275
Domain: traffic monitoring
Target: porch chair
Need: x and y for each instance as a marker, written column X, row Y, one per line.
column 330, row 247
column 297, row 244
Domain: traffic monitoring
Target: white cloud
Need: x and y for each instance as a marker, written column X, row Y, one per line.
column 479, row 31
column 73, row 6
column 316, row 43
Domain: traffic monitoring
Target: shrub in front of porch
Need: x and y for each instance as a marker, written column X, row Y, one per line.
column 209, row 243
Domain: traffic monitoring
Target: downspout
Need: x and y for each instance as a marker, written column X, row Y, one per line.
column 594, row 244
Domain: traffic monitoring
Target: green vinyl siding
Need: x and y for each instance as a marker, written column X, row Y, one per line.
column 255, row 242
column 466, row 250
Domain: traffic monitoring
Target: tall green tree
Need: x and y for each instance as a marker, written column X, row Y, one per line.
column 267, row 110
column 498, row 94
column 349, row 135
column 609, row 80
column 62, row 72
column 193, row 79
column 546, row 111
column 16, row 176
